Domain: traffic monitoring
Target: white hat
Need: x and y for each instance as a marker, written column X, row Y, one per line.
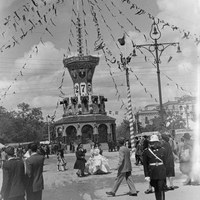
column 154, row 138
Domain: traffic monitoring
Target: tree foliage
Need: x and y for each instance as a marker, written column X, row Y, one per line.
column 171, row 121
column 24, row 125
column 123, row 130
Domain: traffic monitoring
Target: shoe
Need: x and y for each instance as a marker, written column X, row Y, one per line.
column 78, row 174
column 187, row 182
column 83, row 175
column 166, row 188
column 171, row 188
column 148, row 191
column 110, row 193
column 132, row 194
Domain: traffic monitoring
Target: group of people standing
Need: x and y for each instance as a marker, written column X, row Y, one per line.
column 23, row 177
column 158, row 159
column 96, row 164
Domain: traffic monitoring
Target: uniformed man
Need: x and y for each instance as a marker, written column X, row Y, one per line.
column 154, row 159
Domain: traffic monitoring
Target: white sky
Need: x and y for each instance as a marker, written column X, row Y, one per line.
column 40, row 79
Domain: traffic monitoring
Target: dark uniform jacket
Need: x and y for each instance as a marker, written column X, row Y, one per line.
column 153, row 167
column 13, row 178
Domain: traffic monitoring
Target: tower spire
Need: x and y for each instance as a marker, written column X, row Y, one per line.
column 79, row 36
column 79, row 32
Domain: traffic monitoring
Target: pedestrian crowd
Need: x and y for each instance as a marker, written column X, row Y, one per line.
column 22, row 174
column 157, row 154
column 23, row 167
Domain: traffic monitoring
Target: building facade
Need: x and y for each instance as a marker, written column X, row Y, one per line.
column 183, row 106
column 84, row 118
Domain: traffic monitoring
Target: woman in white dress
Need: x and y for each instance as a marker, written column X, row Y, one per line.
column 97, row 164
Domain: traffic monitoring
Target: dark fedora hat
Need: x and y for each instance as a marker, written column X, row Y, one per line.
column 10, row 151
column 121, row 140
column 187, row 136
column 165, row 137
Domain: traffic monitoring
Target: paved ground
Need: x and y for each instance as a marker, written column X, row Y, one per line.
column 67, row 186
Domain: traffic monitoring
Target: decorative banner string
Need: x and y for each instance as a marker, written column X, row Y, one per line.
column 177, row 85
column 185, row 34
column 85, row 25
column 71, row 35
column 25, row 19
column 35, row 50
column 116, row 87
column 99, row 35
column 145, row 89
column 112, row 59
column 99, row 40
column 20, row 74
column 130, row 22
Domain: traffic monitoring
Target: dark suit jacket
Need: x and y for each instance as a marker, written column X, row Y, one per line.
column 13, row 178
column 124, row 164
column 34, row 171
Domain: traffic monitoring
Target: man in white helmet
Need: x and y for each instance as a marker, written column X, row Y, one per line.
column 154, row 159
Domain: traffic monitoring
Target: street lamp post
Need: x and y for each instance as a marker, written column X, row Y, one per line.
column 48, row 129
column 156, row 49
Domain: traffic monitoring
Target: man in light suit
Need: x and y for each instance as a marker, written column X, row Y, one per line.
column 13, row 177
column 34, row 171
column 124, row 170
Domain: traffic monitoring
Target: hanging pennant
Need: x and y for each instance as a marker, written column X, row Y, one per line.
column 122, row 40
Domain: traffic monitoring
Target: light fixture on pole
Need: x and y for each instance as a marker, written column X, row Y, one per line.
column 156, row 49
column 124, row 61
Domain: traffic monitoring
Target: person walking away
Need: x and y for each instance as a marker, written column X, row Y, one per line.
column 170, row 171
column 185, row 157
column 47, row 150
column 124, row 170
column 61, row 163
column 80, row 160
column 154, row 160
column 13, row 177
column 138, row 151
column 34, row 171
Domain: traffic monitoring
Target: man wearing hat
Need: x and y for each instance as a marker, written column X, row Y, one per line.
column 154, row 160
column 124, row 170
column 13, row 177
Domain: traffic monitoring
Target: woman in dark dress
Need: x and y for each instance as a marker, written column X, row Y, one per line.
column 80, row 160
column 170, row 172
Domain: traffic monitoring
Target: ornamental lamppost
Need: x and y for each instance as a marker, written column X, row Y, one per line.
column 156, row 49
column 124, row 62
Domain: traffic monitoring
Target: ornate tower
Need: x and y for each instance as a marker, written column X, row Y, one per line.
column 84, row 109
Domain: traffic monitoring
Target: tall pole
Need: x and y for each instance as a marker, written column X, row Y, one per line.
column 48, row 129
column 159, row 81
column 130, row 113
column 136, row 123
